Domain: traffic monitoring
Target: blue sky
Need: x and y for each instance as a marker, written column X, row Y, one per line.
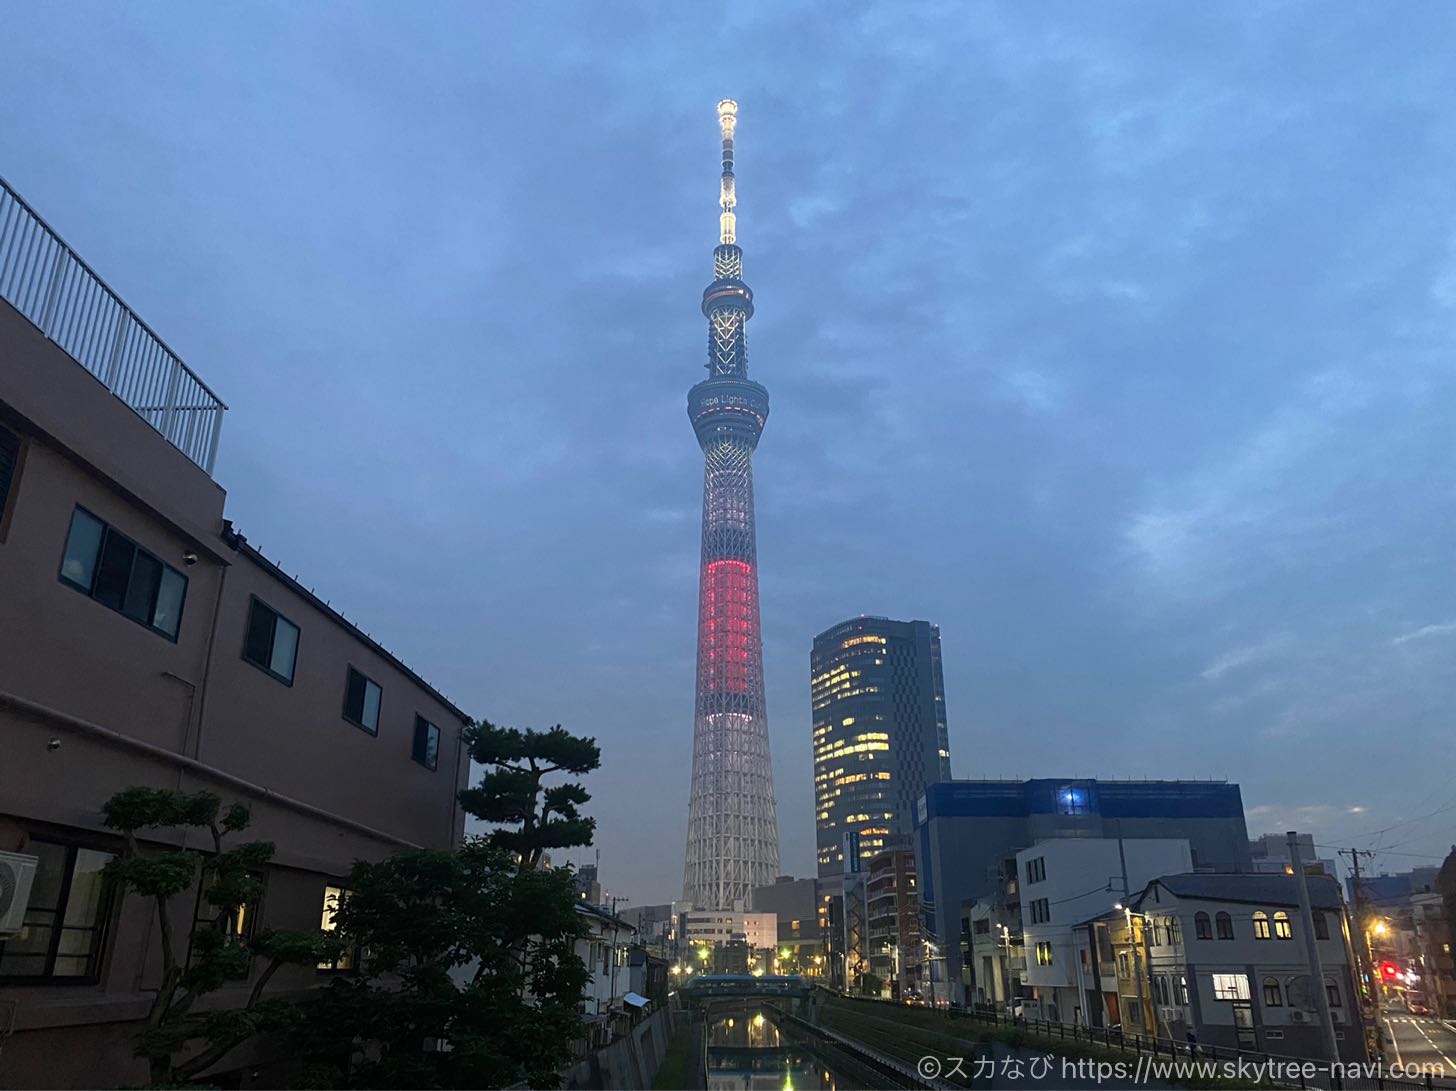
column 1115, row 339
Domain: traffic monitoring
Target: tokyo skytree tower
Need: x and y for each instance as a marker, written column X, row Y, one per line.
column 733, row 832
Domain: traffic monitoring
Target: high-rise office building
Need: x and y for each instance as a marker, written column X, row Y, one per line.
column 733, row 833
column 879, row 732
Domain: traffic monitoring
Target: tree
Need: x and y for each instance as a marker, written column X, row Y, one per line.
column 215, row 953
column 458, row 948
column 469, row 975
column 512, row 795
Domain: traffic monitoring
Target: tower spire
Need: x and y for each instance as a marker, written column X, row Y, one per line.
column 727, row 198
column 733, row 834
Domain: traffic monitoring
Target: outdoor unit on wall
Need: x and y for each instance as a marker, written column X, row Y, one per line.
column 17, row 872
column 1298, row 1016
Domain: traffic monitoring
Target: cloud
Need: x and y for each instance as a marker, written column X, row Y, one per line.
column 1036, row 392
column 1242, row 657
column 1444, row 628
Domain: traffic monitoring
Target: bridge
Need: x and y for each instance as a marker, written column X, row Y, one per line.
column 716, row 986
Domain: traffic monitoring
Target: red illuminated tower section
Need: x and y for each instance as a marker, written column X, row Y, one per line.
column 733, row 833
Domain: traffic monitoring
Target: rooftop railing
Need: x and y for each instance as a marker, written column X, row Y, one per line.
column 42, row 278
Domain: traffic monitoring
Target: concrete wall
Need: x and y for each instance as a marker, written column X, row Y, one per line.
column 628, row 1063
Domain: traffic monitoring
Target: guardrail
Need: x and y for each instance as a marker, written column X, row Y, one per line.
column 43, row 279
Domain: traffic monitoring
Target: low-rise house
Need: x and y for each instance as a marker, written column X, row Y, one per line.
column 1227, row 961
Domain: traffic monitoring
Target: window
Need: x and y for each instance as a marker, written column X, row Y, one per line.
column 1261, row 925
column 237, row 927
column 1043, row 954
column 1160, row 989
column 1041, row 911
column 1230, row 987
column 1183, row 991
column 64, row 929
column 1073, row 799
column 9, row 470
column 1273, row 995
column 1333, row 992
column 1202, row 926
column 1281, row 926
column 361, row 702
column 1321, row 925
column 981, row 927
column 1175, row 931
column 271, row 641
column 1157, row 931
column 1225, row 926
column 427, row 747
column 1036, row 870
column 334, row 899
column 116, row 572
column 1123, row 966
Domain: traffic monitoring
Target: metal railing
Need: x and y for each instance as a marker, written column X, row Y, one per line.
column 42, row 278
column 1272, row 1068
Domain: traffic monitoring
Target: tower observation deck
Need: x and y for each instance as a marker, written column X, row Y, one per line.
column 733, row 835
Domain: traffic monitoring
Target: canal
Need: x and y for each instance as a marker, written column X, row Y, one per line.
column 749, row 1051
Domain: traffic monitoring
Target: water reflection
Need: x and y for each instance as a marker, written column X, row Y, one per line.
column 746, row 1052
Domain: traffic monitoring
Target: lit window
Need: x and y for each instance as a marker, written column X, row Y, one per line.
column 1281, row 926
column 271, row 642
column 1261, row 925
column 116, row 572
column 1230, row 987
column 1073, row 799
column 426, row 749
column 334, row 899
column 361, row 702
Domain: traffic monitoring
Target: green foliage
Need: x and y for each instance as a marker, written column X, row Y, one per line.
column 459, row 947
column 216, row 955
column 160, row 875
column 148, row 808
column 512, row 793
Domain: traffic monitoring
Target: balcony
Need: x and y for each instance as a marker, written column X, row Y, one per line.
column 43, row 279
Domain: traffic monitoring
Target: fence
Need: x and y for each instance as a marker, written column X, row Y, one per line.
column 1145, row 1049
column 42, row 278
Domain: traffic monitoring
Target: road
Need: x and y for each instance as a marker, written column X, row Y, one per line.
column 1421, row 1040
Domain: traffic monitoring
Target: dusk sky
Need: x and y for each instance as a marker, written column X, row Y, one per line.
column 1118, row 340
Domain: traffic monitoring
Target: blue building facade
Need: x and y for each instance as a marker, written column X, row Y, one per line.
column 967, row 830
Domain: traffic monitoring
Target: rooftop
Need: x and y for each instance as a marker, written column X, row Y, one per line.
column 44, row 279
column 1254, row 888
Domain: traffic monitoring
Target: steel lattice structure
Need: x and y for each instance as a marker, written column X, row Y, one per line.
column 733, row 832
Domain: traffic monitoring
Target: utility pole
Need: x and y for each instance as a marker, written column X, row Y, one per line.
column 1131, row 938
column 1311, row 951
column 1359, row 941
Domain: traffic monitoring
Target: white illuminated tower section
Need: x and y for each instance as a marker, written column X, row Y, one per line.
column 733, row 832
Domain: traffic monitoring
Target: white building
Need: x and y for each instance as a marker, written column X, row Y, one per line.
column 1227, row 960
column 711, row 928
column 1065, row 882
column 1270, row 854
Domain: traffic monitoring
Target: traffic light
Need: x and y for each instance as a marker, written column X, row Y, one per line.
column 1388, row 970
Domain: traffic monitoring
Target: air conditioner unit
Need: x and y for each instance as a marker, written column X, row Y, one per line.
column 1297, row 1016
column 17, row 872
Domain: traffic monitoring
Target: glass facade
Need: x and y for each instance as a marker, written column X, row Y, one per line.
column 879, row 732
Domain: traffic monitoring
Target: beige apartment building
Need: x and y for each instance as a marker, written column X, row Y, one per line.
column 143, row 641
